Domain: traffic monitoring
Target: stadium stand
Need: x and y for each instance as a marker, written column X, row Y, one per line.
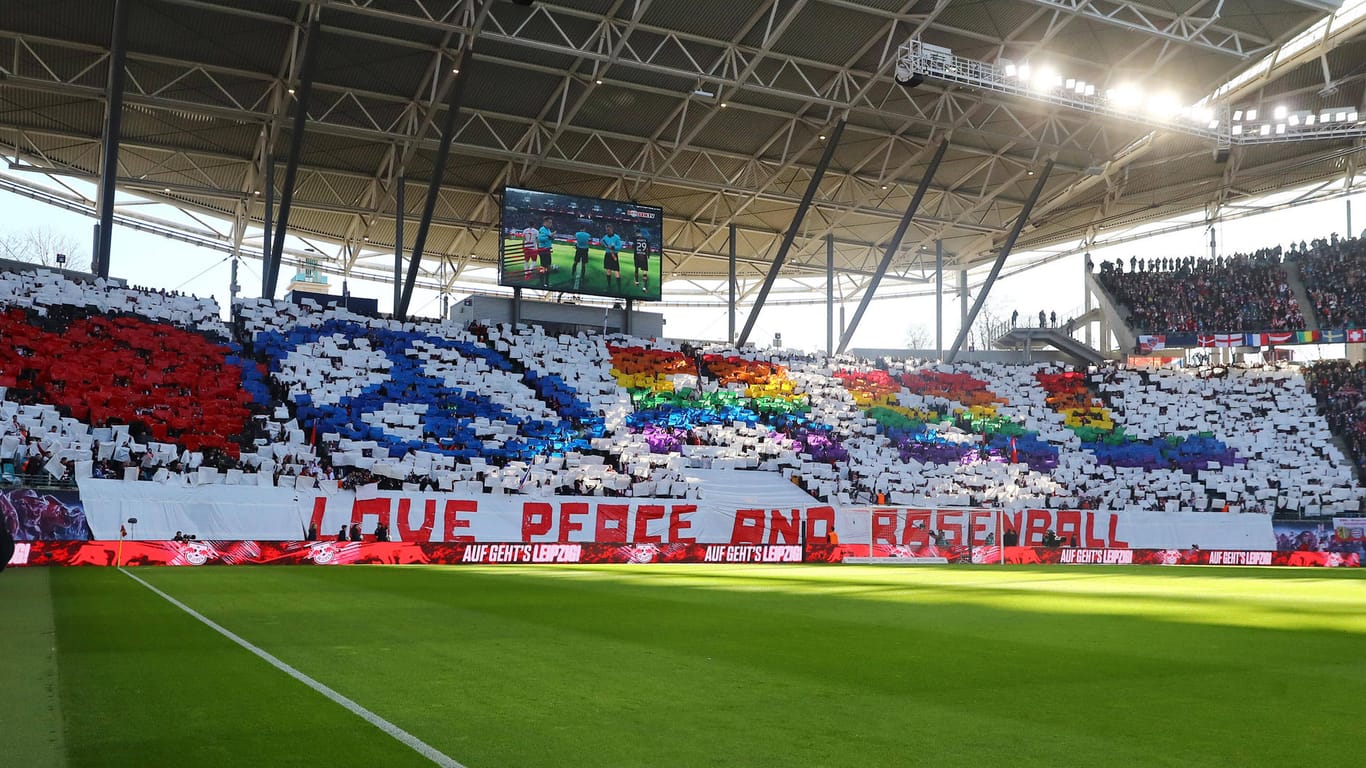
column 1332, row 270
column 1340, row 389
column 304, row 395
column 1173, row 295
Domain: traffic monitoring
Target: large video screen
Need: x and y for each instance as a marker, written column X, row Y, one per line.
column 558, row 242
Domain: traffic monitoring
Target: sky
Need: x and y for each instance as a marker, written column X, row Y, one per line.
column 150, row 260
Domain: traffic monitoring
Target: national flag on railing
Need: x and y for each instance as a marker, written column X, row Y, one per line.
column 1307, row 337
column 1332, row 337
column 1355, row 335
column 1205, row 341
column 1279, row 337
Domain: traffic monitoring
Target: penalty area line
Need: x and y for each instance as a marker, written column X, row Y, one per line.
column 412, row 742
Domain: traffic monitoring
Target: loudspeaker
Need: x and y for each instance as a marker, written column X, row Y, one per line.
column 915, row 79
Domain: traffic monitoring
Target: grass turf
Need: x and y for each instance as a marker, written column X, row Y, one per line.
column 714, row 666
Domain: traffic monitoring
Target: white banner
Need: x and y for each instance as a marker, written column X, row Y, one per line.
column 283, row 514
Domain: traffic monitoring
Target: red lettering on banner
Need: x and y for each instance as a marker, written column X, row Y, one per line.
column 1010, row 522
column 748, row 528
column 822, row 514
column 406, row 531
column 948, row 522
column 454, row 521
column 537, row 519
column 1114, row 535
column 884, row 527
column 1092, row 540
column 680, row 522
column 611, row 525
column 319, row 507
column 568, row 511
column 917, row 530
column 1036, row 524
column 1068, row 526
column 789, row 528
column 978, row 520
column 378, row 506
column 644, row 514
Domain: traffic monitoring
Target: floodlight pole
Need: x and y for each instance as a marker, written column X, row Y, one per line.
column 802, row 208
column 894, row 243
column 271, row 274
column 1006, row 248
column 113, row 126
column 443, row 153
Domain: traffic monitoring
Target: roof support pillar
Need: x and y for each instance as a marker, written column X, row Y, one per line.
column 270, row 274
column 113, row 126
column 894, row 243
column 792, row 231
column 399, row 210
column 1006, row 248
column 443, row 153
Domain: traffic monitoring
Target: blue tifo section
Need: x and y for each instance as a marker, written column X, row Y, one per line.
column 252, row 380
column 1190, row 454
column 448, row 424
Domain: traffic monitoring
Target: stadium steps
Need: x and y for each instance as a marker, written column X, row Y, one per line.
column 1034, row 338
column 1116, row 315
column 1296, row 281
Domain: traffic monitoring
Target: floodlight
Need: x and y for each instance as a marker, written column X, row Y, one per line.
column 1325, row 117
column 1266, row 129
column 1090, row 90
column 1237, row 115
column 1010, row 70
column 1070, row 83
column 1309, row 119
column 1252, row 114
column 1278, row 113
column 1352, row 116
column 1237, row 130
column 1081, row 87
column 1280, row 128
column 1342, row 116
column 1295, row 120
column 1213, row 124
column 1024, row 71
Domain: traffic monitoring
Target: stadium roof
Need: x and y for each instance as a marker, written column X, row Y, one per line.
column 713, row 110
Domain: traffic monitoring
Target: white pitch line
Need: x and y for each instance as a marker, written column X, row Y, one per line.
column 417, row 745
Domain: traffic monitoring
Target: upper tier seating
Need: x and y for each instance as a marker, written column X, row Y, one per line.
column 307, row 395
column 1241, row 293
column 1334, row 272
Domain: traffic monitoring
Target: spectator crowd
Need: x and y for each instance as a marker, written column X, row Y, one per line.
column 1244, row 292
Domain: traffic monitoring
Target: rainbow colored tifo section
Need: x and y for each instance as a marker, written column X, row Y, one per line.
column 919, row 433
column 1086, row 414
column 750, row 392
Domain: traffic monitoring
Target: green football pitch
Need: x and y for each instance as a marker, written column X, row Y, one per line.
column 593, row 280
column 681, row 666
